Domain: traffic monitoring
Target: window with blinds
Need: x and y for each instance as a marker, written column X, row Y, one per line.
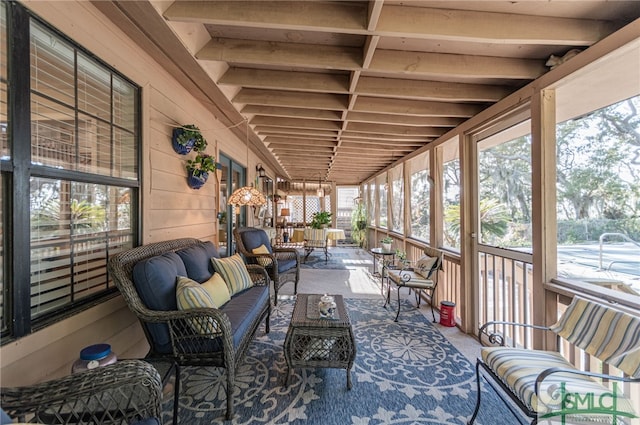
column 83, row 122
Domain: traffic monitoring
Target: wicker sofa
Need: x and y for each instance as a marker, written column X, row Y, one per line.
column 147, row 275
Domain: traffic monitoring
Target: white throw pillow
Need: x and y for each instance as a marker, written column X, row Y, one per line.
column 424, row 265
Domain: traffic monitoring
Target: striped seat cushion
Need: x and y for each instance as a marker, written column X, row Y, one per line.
column 316, row 238
column 519, row 369
column 415, row 281
column 611, row 335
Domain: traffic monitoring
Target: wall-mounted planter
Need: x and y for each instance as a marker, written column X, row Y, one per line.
column 181, row 149
column 196, row 181
column 187, row 138
column 198, row 170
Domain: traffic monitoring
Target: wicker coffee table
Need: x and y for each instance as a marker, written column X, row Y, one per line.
column 313, row 341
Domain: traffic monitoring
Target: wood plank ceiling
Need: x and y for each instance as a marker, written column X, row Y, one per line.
column 342, row 89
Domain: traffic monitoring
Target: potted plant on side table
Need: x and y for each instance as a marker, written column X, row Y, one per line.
column 321, row 220
column 385, row 243
column 198, row 169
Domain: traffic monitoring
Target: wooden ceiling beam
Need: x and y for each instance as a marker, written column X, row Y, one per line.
column 360, row 136
column 291, row 99
column 302, row 143
column 398, row 130
column 286, row 80
column 297, row 139
column 488, row 27
column 259, row 52
column 300, row 132
column 379, row 146
column 293, row 15
column 430, row 90
column 455, row 65
column 381, row 118
column 296, row 123
column 279, row 111
column 416, row 107
column 302, row 149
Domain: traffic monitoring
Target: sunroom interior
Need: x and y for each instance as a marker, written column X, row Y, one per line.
column 527, row 176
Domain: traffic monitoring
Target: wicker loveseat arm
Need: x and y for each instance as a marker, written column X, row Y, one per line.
column 286, row 254
column 258, row 274
column 122, row 393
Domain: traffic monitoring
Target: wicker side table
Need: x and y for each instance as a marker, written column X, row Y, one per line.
column 313, row 341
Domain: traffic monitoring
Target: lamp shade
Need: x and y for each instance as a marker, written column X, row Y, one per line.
column 247, row 195
column 285, row 212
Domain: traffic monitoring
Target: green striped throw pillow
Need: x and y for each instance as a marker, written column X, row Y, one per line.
column 233, row 272
column 190, row 294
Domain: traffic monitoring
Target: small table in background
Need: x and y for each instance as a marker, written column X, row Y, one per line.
column 383, row 256
column 313, row 341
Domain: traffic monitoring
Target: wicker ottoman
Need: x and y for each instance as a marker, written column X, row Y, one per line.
column 313, row 341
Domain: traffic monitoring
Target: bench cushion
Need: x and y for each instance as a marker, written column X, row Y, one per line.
column 415, row 281
column 244, row 310
column 602, row 331
column 519, row 369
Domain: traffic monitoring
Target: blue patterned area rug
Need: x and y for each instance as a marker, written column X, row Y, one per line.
column 404, row 373
column 315, row 260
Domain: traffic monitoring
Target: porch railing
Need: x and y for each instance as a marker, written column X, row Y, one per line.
column 505, row 290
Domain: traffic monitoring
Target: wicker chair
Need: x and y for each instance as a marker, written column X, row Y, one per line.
column 125, row 392
column 214, row 346
column 282, row 264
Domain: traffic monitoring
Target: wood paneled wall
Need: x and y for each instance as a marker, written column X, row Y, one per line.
column 170, row 209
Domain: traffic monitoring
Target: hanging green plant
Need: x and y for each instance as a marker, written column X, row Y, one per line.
column 186, row 138
column 359, row 224
column 198, row 169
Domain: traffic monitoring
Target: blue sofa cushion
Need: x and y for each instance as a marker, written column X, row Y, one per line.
column 285, row 265
column 155, row 281
column 252, row 238
column 197, row 260
column 244, row 309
